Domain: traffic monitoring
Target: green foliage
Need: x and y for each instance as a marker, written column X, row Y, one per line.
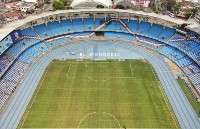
column 188, row 15
column 170, row 5
column 46, row 1
column 194, row 11
column 40, row 5
column 58, row 5
column 177, row 7
column 65, row 2
column 153, row 7
column 61, row 4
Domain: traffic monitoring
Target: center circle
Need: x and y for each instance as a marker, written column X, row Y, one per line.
column 99, row 120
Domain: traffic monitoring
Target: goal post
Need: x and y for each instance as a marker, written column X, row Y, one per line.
column 121, row 59
column 79, row 58
column 99, row 59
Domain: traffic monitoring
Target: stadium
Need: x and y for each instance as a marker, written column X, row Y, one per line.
column 97, row 68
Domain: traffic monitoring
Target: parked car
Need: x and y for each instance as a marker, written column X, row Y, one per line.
column 171, row 15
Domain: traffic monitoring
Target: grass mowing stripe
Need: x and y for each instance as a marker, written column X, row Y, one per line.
column 64, row 99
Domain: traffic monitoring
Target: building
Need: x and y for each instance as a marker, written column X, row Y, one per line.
column 186, row 6
column 30, row 1
column 11, row 5
column 91, row 3
column 24, row 7
column 197, row 17
column 193, row 1
column 11, row 16
column 138, row 3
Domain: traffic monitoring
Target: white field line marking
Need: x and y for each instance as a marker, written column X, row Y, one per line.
column 114, row 118
column 85, row 62
column 85, row 117
column 43, row 77
column 164, row 95
column 107, row 78
column 99, row 80
column 131, row 70
column 103, row 113
column 68, row 70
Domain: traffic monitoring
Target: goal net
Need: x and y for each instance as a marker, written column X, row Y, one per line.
column 121, row 59
column 80, row 58
column 99, row 59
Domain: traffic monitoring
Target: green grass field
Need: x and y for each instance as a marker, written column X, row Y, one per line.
column 193, row 102
column 99, row 94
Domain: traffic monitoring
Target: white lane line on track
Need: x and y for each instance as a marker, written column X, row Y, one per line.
column 43, row 77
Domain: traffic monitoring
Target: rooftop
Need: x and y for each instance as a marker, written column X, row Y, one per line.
column 13, row 25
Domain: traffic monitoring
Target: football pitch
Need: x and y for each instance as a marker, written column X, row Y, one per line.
column 99, row 94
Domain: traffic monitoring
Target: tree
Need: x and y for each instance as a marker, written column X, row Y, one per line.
column 194, row 11
column 177, row 8
column 58, row 5
column 47, row 1
column 65, row 2
column 188, row 15
column 170, row 5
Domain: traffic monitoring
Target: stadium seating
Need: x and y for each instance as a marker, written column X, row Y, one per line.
column 167, row 33
column 109, row 34
column 99, row 21
column 132, row 24
column 167, row 50
column 55, row 28
column 43, row 31
column 185, row 52
column 130, row 37
column 28, row 32
column 41, row 47
column 149, row 40
column 176, row 55
column 184, row 61
column 78, row 24
column 143, row 27
column 119, row 35
column 155, row 30
column 191, row 34
column 111, row 26
column 119, row 27
column 89, row 24
column 67, row 26
column 81, row 33
column 177, row 36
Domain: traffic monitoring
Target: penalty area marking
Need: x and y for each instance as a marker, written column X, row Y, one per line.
column 68, row 70
column 131, row 70
column 107, row 78
column 100, row 80
column 103, row 113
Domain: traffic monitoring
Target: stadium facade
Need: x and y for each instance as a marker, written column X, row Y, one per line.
column 29, row 42
column 91, row 3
